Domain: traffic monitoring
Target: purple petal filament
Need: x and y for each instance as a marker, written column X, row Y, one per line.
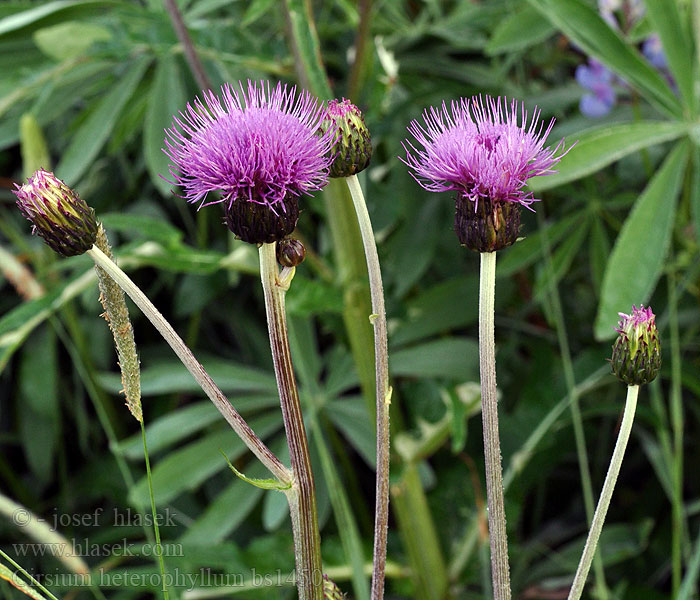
column 256, row 145
column 481, row 148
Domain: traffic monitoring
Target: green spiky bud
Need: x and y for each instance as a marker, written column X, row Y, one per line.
column 57, row 213
column 353, row 149
column 331, row 591
column 259, row 223
column 486, row 226
column 290, row 252
column 636, row 354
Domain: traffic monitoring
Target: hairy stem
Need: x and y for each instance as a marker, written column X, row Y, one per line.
column 606, row 494
column 302, row 494
column 383, row 390
column 500, row 571
column 234, row 419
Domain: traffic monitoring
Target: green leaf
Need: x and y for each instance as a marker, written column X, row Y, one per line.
column 601, row 146
column 529, row 250
column 561, row 260
column 349, row 415
column 666, row 21
column 263, row 484
column 453, row 358
column 166, row 98
column 35, row 153
column 93, row 133
column 226, row 512
column 27, row 17
column 170, row 376
column 15, row 580
column 69, row 39
column 640, row 250
column 520, row 30
column 150, row 228
column 587, row 29
column 186, row 469
column 307, row 47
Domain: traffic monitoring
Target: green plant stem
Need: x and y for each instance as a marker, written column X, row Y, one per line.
column 358, row 69
column 500, row 571
column 302, row 494
column 156, row 528
column 579, row 435
column 383, row 390
column 606, row 494
column 234, row 419
column 676, row 413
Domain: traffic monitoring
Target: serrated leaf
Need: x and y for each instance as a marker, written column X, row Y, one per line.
column 93, row 133
column 601, row 146
column 166, row 99
column 639, row 253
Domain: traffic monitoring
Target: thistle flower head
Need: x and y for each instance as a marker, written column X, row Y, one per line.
column 259, row 147
column 636, row 356
column 331, row 591
column 485, row 150
column 481, row 148
column 353, row 149
column 290, row 252
column 57, row 213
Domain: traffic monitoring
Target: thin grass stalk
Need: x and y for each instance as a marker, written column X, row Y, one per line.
column 234, row 419
column 606, row 494
column 302, row 494
column 574, row 406
column 500, row 570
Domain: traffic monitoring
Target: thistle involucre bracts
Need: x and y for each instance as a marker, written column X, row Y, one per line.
column 636, row 353
column 485, row 150
column 353, row 149
column 57, row 213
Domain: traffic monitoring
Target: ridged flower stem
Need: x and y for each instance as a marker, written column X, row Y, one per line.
column 302, row 495
column 234, row 419
column 606, row 494
column 383, row 390
column 500, row 571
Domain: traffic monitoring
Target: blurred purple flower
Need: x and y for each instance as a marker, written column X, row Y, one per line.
column 481, row 148
column 598, row 80
column 654, row 52
column 259, row 145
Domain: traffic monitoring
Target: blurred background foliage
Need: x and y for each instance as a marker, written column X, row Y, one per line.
column 87, row 87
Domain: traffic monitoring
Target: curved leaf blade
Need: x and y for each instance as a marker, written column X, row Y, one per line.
column 586, row 28
column 93, row 133
column 598, row 147
column 640, row 250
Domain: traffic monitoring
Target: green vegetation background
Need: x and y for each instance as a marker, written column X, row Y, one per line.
column 87, row 87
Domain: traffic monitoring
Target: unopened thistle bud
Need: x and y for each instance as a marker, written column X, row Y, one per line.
column 58, row 215
column 353, row 148
column 258, row 223
column 636, row 354
column 487, row 226
column 290, row 252
column 331, row 591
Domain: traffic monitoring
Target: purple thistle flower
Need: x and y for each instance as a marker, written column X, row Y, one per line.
column 640, row 317
column 481, row 148
column 260, row 146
